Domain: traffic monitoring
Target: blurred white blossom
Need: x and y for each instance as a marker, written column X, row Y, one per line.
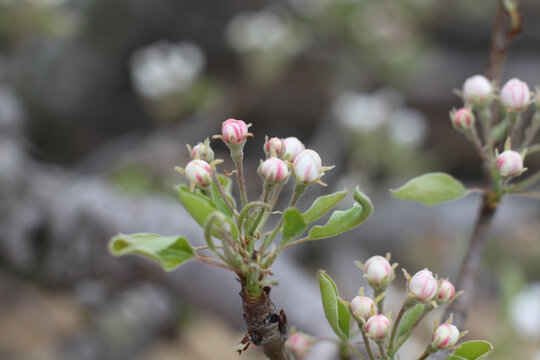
column 361, row 112
column 407, row 127
column 525, row 311
column 165, row 68
column 266, row 31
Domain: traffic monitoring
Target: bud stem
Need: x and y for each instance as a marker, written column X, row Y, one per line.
column 237, row 155
column 366, row 340
column 408, row 303
column 401, row 341
column 531, row 131
column 377, row 292
column 380, row 343
column 513, row 120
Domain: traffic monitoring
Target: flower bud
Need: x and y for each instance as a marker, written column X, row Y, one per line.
column 462, row 119
column 307, row 167
column 362, row 307
column 446, row 292
column 378, row 271
column 445, row 336
column 423, row 286
column 477, row 90
column 199, row 173
column 377, row 326
column 273, row 147
column 515, row 95
column 274, row 170
column 293, row 147
column 510, row 163
column 234, row 131
column 203, row 151
column 299, row 344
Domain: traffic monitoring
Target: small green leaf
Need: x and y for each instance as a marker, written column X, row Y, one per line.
column 336, row 313
column 221, row 205
column 293, row 225
column 342, row 221
column 431, row 189
column 169, row 251
column 322, row 205
column 197, row 205
column 409, row 318
column 472, row 350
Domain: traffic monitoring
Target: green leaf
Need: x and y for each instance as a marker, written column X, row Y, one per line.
column 472, row 350
column 197, row 205
column 431, row 189
column 221, row 205
column 344, row 220
column 336, row 313
column 169, row 251
column 409, row 318
column 322, row 205
column 293, row 225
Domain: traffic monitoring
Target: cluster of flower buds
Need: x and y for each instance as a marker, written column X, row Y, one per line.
column 423, row 288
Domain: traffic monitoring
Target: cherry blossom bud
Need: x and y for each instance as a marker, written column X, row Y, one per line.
column 307, row 167
column 234, row 131
column 293, row 147
column 510, row 163
column 445, row 336
column 515, row 95
column 462, row 119
column 199, row 173
column 378, row 271
column 446, row 292
column 273, row 147
column 423, row 286
column 299, row 344
column 362, row 307
column 477, row 90
column 377, row 326
column 203, row 151
column 274, row 170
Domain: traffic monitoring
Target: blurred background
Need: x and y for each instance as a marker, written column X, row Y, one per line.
column 99, row 97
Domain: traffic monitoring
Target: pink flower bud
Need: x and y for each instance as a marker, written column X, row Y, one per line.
column 362, row 307
column 293, row 147
column 423, row 286
column 462, row 119
column 203, row 151
column 199, row 173
column 515, row 95
column 446, row 292
column 445, row 336
column 307, row 167
column 234, row 131
column 274, row 170
column 299, row 344
column 378, row 271
column 274, row 146
column 377, row 326
column 477, row 90
column 510, row 163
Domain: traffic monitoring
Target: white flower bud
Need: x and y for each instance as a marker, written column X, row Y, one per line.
column 203, row 151
column 445, row 336
column 274, row 170
column 293, row 147
column 423, row 286
column 477, row 90
column 362, row 307
column 510, row 163
column 273, row 147
column 377, row 326
column 515, row 95
column 299, row 344
column 446, row 292
column 199, row 173
column 378, row 271
column 462, row 119
column 234, row 131
column 307, row 167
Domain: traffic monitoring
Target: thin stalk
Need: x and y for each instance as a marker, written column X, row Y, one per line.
column 264, row 198
column 222, row 193
column 356, row 352
column 238, row 157
column 531, row 180
column 475, row 139
column 406, row 305
column 296, row 242
column 531, row 131
column 211, row 261
column 381, row 349
column 533, row 149
column 410, row 331
column 366, row 341
column 424, row 355
column 380, row 305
